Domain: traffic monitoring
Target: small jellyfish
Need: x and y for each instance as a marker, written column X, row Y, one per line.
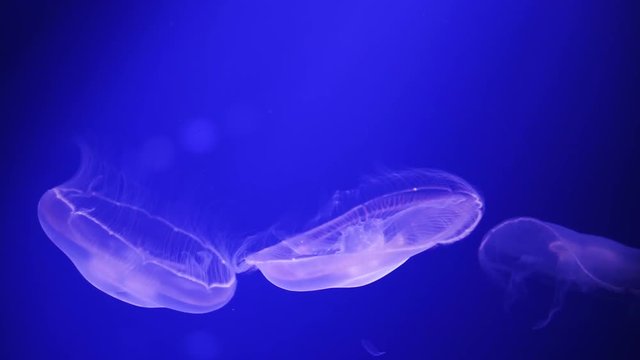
column 370, row 348
column 133, row 255
column 394, row 218
column 524, row 249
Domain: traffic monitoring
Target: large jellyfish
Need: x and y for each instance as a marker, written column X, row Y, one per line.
column 133, row 255
column 524, row 249
column 418, row 210
column 147, row 260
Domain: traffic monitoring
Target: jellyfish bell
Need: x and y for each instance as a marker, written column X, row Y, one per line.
column 525, row 250
column 529, row 247
column 413, row 212
column 130, row 253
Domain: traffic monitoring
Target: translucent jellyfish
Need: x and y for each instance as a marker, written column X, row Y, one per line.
column 133, row 255
column 147, row 260
column 524, row 249
column 394, row 218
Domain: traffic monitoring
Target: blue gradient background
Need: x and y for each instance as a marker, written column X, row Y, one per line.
column 534, row 102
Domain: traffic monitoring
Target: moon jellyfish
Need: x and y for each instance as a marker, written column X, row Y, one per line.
column 147, row 260
column 395, row 218
column 524, row 249
column 133, row 255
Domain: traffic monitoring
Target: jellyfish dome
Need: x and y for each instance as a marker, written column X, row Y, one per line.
column 525, row 250
column 396, row 217
column 133, row 255
column 525, row 247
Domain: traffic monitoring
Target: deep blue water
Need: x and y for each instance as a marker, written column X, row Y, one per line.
column 535, row 103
